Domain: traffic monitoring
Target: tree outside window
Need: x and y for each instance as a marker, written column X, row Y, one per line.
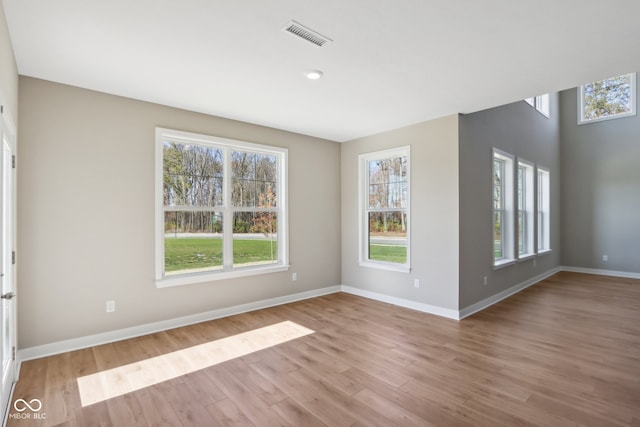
column 385, row 209
column 609, row 98
column 222, row 207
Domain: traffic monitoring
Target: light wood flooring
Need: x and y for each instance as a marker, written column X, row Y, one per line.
column 565, row 352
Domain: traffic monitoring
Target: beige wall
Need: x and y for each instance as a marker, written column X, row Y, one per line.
column 86, row 214
column 8, row 70
column 434, row 215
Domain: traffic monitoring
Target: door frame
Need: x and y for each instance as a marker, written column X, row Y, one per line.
column 8, row 133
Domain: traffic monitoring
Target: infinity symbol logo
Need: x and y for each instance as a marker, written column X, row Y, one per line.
column 21, row 405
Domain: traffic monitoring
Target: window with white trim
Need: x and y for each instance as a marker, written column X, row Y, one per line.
column 544, row 211
column 221, row 208
column 607, row 99
column 540, row 103
column 526, row 215
column 503, row 216
column 384, row 209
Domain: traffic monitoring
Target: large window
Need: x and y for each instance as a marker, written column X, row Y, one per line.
column 384, row 207
column 503, row 245
column 526, row 216
column 222, row 208
column 544, row 243
column 607, row 99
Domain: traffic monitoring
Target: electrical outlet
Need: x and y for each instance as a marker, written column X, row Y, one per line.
column 294, row 276
column 605, row 257
column 111, row 306
column 484, row 281
column 416, row 283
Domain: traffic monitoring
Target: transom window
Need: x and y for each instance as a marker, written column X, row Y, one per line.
column 223, row 208
column 384, row 207
column 540, row 103
column 607, row 99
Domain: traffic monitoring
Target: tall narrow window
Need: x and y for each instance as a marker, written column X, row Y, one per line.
column 223, row 208
column 384, row 178
column 607, row 99
column 526, row 216
column 503, row 218
column 544, row 221
column 540, row 103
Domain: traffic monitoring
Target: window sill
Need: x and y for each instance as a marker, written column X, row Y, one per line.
column 606, row 118
column 526, row 257
column 544, row 252
column 503, row 263
column 386, row 266
column 192, row 279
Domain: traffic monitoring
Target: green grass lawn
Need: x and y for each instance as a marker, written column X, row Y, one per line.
column 194, row 253
column 388, row 253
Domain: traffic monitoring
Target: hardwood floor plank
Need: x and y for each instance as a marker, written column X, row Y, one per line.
column 310, row 395
column 126, row 411
column 226, row 413
column 419, row 404
column 397, row 414
column 295, row 414
column 568, row 411
column 565, row 352
column 156, row 409
column 185, row 403
column 244, row 397
column 330, row 399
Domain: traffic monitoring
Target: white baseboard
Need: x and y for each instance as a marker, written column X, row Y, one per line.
column 136, row 331
column 481, row 305
column 627, row 274
column 426, row 308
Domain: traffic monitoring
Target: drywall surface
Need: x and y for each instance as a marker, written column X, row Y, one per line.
column 601, row 190
column 86, row 209
column 434, row 215
column 520, row 130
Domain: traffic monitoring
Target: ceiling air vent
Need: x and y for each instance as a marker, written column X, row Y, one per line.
column 306, row 33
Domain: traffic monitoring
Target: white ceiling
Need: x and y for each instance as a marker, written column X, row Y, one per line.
column 391, row 63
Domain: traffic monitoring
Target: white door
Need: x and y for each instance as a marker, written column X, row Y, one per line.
column 7, row 259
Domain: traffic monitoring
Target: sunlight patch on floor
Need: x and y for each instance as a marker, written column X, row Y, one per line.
column 115, row 382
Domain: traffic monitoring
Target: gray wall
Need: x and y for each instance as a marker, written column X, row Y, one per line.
column 434, row 214
column 86, row 210
column 601, row 188
column 520, row 130
column 8, row 70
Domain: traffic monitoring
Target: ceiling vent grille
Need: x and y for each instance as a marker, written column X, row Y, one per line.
column 306, row 33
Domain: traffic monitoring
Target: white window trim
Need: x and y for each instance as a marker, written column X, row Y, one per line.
column 363, row 195
column 529, row 211
column 541, row 103
column 508, row 242
column 226, row 272
column 583, row 121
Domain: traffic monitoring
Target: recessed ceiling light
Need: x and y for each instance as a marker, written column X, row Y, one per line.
column 313, row 74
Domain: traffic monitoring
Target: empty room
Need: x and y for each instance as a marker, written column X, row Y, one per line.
column 417, row 213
